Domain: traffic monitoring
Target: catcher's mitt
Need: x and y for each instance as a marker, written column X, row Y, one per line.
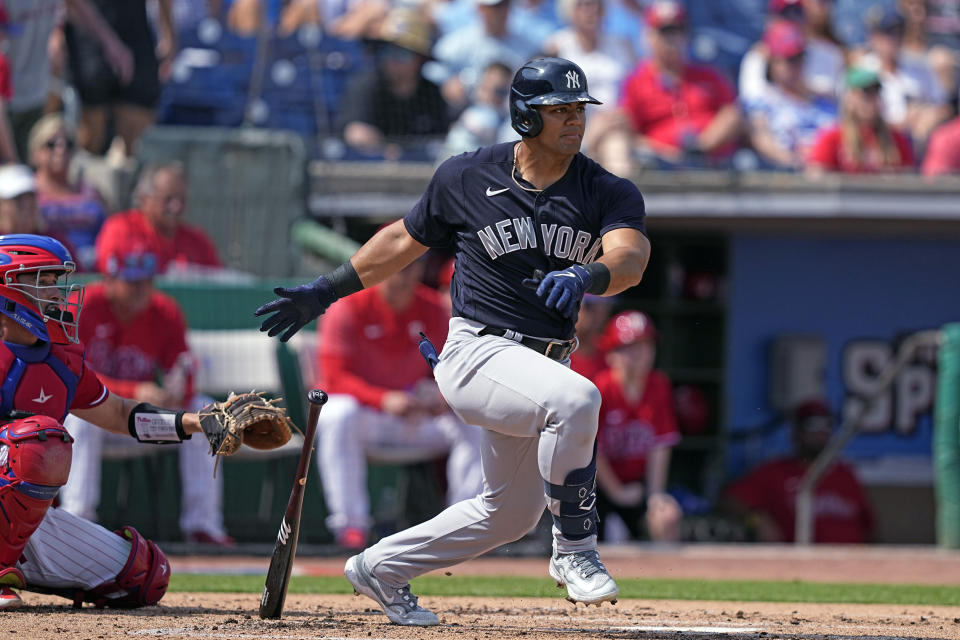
column 247, row 419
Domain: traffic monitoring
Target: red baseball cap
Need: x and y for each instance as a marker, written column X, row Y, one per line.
column 784, row 39
column 813, row 413
column 625, row 328
column 784, row 6
column 665, row 13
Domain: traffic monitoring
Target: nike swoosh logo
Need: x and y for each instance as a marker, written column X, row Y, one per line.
column 492, row 192
column 565, row 275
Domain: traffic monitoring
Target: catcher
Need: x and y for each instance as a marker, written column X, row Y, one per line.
column 44, row 376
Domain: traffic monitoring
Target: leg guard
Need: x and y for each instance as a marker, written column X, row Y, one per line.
column 578, row 501
column 35, row 457
column 142, row 581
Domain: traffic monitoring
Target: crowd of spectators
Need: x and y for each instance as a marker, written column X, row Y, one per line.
column 425, row 91
column 432, row 78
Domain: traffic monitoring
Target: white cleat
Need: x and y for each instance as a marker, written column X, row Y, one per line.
column 397, row 602
column 585, row 577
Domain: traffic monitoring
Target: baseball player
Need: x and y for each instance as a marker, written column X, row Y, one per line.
column 511, row 213
column 44, row 376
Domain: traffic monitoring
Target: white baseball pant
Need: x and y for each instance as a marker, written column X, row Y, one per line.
column 67, row 551
column 540, row 420
column 349, row 433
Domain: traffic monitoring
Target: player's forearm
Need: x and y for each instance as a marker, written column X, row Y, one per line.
column 386, row 253
column 626, row 265
column 658, row 467
column 606, row 478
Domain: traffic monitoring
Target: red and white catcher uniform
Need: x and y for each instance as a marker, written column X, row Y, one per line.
column 43, row 548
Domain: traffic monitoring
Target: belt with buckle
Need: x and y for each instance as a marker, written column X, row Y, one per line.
column 553, row 349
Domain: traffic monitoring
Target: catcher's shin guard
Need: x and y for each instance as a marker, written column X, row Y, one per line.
column 577, row 517
column 142, row 582
column 35, row 455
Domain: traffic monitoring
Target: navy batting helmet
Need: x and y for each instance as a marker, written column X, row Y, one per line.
column 544, row 81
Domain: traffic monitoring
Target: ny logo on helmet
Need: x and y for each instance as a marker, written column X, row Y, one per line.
column 573, row 80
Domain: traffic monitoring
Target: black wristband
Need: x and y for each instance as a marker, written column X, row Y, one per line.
column 344, row 280
column 148, row 423
column 601, row 277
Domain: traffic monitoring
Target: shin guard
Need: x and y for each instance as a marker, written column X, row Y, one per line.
column 35, row 455
column 578, row 501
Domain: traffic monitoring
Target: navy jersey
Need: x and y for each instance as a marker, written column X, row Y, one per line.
column 500, row 232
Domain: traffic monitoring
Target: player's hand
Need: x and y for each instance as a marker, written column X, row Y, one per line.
column 399, row 403
column 296, row 307
column 628, row 495
column 120, row 59
column 563, row 290
column 154, row 394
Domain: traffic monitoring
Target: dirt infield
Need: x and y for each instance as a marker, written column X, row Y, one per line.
column 348, row 617
column 326, row 617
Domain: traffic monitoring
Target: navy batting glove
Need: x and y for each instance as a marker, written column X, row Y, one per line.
column 563, row 290
column 296, row 307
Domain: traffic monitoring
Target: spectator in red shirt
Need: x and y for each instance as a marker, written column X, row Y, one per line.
column 637, row 430
column 943, row 150
column 678, row 109
column 589, row 359
column 862, row 142
column 136, row 341
column 766, row 497
column 158, row 225
column 383, row 399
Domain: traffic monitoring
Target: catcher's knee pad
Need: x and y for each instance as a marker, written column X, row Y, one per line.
column 35, row 455
column 577, row 517
column 142, row 581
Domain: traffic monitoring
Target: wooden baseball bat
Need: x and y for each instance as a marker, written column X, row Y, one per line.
column 281, row 564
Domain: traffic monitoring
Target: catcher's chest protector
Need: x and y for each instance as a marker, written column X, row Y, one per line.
column 35, row 455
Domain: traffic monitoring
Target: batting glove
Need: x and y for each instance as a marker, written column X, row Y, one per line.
column 296, row 307
column 563, row 290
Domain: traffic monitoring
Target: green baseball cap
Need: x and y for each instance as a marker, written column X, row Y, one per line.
column 860, row 78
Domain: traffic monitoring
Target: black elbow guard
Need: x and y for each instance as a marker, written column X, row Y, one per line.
column 155, row 425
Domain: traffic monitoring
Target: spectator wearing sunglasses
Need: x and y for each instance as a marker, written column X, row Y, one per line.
column 862, row 142
column 73, row 207
column 392, row 112
column 823, row 63
column 784, row 120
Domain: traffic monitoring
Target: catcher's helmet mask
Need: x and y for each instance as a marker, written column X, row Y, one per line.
column 544, row 82
column 48, row 311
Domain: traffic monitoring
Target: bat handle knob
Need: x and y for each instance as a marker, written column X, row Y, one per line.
column 317, row 396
